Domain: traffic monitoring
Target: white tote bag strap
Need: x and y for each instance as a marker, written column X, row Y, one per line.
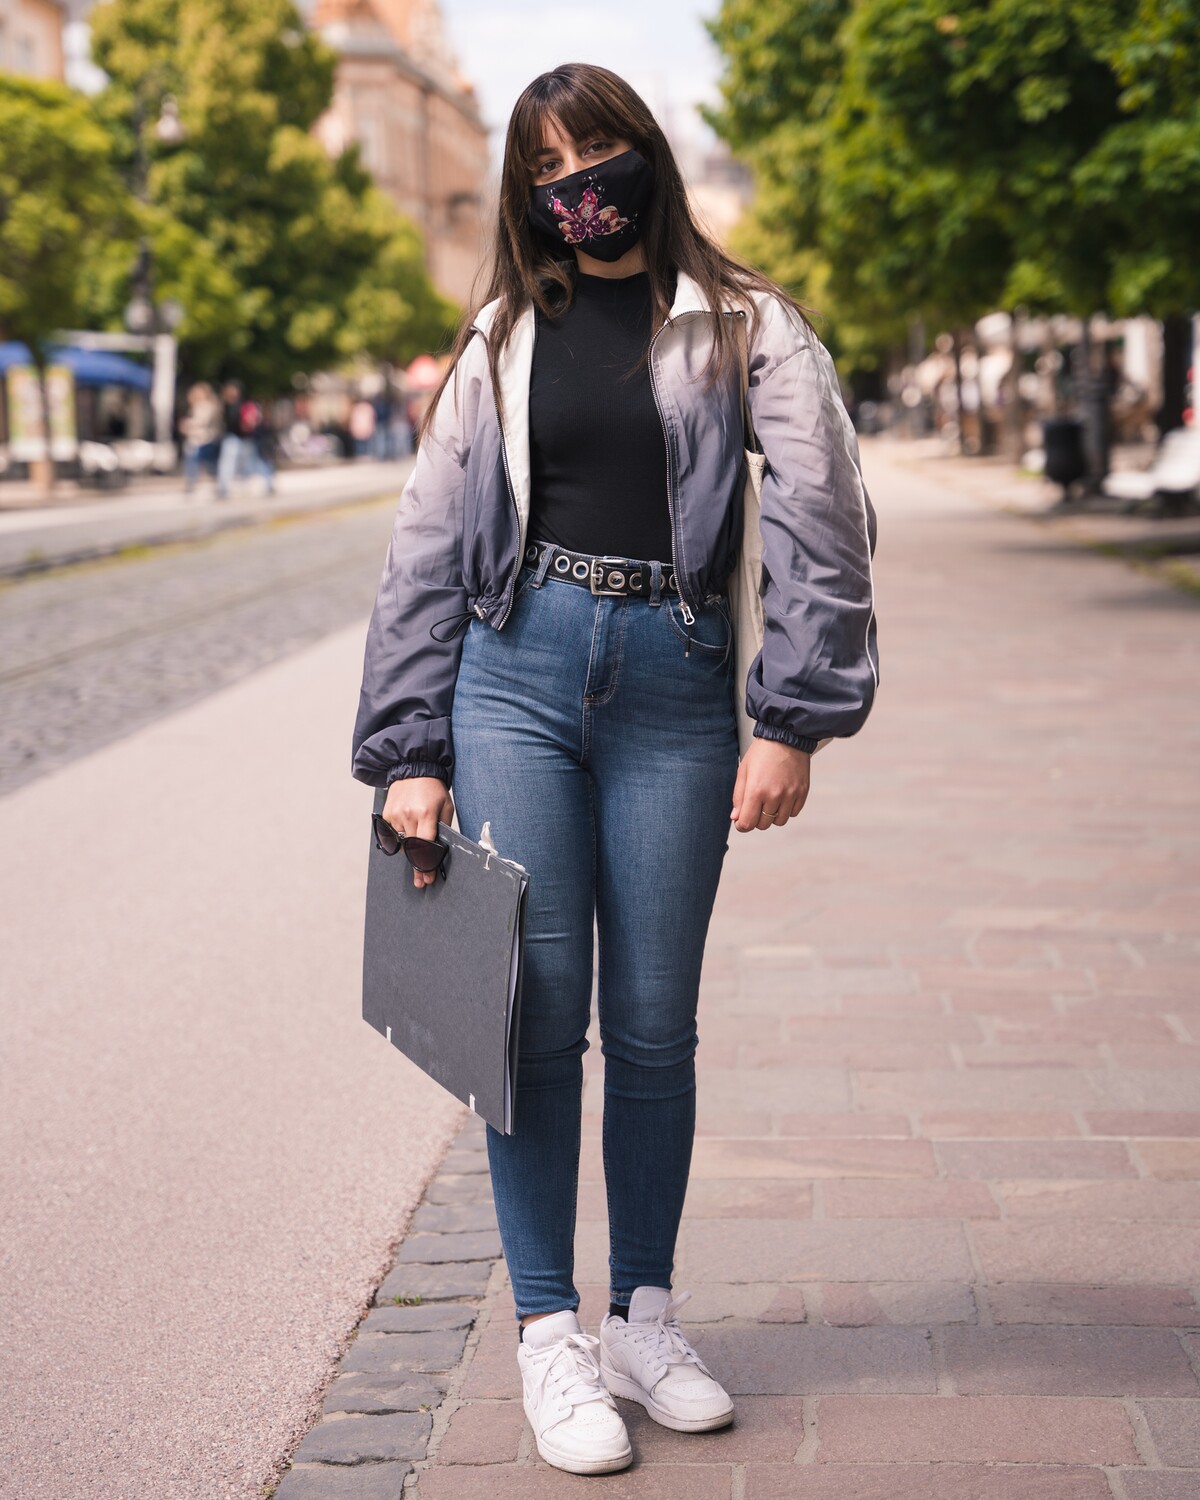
column 745, row 582
column 750, row 439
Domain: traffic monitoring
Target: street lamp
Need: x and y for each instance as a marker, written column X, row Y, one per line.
column 142, row 316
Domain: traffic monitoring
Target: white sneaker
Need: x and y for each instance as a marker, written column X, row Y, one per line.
column 575, row 1421
column 646, row 1358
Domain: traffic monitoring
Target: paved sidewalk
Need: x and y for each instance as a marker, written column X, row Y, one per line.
column 205, row 1155
column 1165, row 547
column 943, row 1228
column 33, row 538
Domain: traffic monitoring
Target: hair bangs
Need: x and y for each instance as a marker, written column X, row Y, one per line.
column 580, row 111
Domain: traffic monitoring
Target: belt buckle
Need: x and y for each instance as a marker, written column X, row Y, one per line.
column 598, row 571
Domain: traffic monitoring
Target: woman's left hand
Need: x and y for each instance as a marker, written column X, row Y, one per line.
column 771, row 785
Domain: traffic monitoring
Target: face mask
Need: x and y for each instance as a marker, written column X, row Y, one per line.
column 598, row 209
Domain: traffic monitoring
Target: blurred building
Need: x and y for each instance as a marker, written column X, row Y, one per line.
column 31, row 38
column 720, row 189
column 400, row 95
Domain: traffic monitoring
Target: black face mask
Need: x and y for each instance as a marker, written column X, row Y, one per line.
column 598, row 210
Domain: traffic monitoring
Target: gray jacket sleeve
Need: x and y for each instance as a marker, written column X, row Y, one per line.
column 818, row 671
column 403, row 722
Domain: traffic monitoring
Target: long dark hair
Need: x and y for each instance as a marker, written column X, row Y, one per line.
column 524, row 266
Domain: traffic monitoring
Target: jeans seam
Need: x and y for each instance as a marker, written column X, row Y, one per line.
column 588, row 699
column 622, row 623
column 600, row 1018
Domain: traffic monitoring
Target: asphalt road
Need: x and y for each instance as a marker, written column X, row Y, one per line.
column 205, row 1155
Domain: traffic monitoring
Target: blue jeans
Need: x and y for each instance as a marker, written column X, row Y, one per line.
column 259, row 464
column 229, row 463
column 195, row 459
column 604, row 751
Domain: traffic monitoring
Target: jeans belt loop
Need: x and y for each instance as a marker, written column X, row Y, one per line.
column 656, row 583
column 543, row 563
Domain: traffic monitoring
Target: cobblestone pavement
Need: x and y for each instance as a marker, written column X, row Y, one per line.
column 90, row 653
column 943, row 1227
column 71, row 528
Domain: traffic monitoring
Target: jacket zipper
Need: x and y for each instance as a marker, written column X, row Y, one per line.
column 512, row 495
column 677, row 551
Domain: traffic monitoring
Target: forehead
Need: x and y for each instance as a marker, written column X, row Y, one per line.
column 552, row 133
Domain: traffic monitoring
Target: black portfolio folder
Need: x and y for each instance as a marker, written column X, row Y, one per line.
column 442, row 967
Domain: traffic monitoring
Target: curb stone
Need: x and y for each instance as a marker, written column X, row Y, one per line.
column 382, row 1407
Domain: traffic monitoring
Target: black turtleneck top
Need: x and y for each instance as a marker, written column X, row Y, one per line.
column 598, row 452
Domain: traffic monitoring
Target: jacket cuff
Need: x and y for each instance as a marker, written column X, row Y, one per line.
column 409, row 768
column 785, row 736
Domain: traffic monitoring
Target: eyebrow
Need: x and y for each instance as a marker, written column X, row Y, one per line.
column 553, row 150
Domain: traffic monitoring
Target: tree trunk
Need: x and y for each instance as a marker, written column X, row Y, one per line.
column 1014, row 410
column 1092, row 394
column 958, row 391
column 42, row 469
column 1177, row 348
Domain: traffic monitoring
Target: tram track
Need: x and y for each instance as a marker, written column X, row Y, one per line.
column 91, row 653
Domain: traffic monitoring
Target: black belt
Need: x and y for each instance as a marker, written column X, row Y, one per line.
column 602, row 574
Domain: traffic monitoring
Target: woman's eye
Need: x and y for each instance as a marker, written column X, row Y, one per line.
column 591, row 147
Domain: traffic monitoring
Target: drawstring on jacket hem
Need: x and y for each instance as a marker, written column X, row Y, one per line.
column 464, row 616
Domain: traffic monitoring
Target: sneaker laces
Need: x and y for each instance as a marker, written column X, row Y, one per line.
column 666, row 1340
column 571, row 1371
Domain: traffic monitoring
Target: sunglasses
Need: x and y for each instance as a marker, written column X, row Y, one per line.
column 422, row 854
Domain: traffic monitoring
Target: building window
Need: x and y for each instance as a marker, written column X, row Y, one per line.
column 371, row 143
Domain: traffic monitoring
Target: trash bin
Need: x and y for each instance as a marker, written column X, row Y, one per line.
column 1062, row 440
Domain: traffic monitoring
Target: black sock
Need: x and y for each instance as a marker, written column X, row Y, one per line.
column 619, row 1310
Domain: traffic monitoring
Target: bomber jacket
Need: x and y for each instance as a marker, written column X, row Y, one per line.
column 460, row 530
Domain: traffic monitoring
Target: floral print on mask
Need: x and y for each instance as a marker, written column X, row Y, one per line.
column 589, row 221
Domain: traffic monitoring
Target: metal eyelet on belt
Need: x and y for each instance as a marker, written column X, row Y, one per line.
column 598, row 574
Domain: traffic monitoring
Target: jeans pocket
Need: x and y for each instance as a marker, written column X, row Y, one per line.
column 712, row 630
column 526, row 573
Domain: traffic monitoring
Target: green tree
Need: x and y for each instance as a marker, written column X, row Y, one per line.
column 395, row 312
column 265, row 242
column 59, row 201
column 946, row 159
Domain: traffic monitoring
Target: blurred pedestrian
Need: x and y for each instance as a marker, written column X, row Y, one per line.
column 400, row 433
column 229, row 462
column 552, row 635
column 258, row 444
column 362, row 426
column 201, row 427
column 381, row 442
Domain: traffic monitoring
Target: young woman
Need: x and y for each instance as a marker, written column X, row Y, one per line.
column 576, row 506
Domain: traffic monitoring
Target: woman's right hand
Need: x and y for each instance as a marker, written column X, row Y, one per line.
column 414, row 807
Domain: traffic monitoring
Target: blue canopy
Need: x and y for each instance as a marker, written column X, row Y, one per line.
column 91, row 367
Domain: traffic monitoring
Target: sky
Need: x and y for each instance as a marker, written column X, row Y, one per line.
column 658, row 46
